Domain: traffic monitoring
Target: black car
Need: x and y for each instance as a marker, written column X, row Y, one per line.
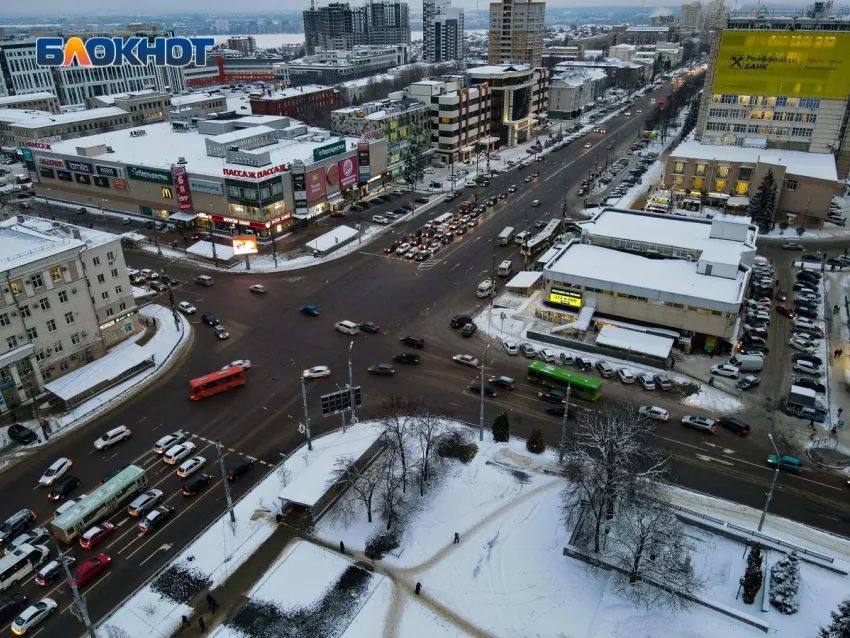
column 783, row 310
column 381, row 369
column 489, row 391
column 209, row 318
column 503, row 382
column 406, row 357
column 557, row 409
column 459, row 321
column 748, row 382
column 53, row 570
column 63, row 487
column 413, row 342
column 16, row 524
column 805, row 356
column 22, row 434
column 158, row 286
column 370, row 326
column 553, row 396
column 240, row 468
column 156, row 518
column 468, row 330
column 806, row 382
column 809, row 275
column 810, row 313
column 736, row 425
column 421, row 200
column 9, row 607
column 195, row 484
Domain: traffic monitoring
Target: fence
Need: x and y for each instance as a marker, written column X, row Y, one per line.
column 775, row 541
column 593, row 349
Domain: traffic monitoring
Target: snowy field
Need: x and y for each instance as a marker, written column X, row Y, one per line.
column 508, row 576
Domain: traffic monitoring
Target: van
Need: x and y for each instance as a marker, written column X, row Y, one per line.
column 486, row 288
column 505, row 268
column 605, row 369
column 520, row 238
column 506, row 235
column 439, row 165
column 747, row 362
column 348, row 327
column 204, row 280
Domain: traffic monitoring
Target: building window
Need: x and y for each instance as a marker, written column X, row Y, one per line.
column 17, row 288
column 63, row 366
column 57, row 347
column 37, row 281
column 109, row 312
column 104, row 294
column 723, row 171
column 101, row 279
column 32, row 333
column 745, row 174
column 808, row 103
column 114, row 272
column 791, row 185
column 39, row 355
column 117, row 290
column 51, row 325
column 742, row 188
column 4, row 320
column 700, row 169
column 110, row 256
column 69, row 318
column 25, row 312
column 678, row 167
column 698, row 183
column 44, row 304
column 122, row 306
column 75, row 338
column 96, row 261
column 719, row 185
column 63, row 296
column 12, row 342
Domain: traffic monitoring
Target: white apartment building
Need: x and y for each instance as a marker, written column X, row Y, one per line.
column 692, row 19
column 43, row 101
column 19, row 74
column 66, row 298
column 516, row 32
column 442, row 27
column 716, row 14
column 572, row 92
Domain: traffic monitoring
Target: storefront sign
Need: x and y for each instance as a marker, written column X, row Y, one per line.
column 229, row 220
column 372, row 135
column 299, row 187
column 149, row 175
column 315, row 185
column 109, row 171
column 363, row 170
column 565, row 297
column 203, row 186
column 329, row 150
column 80, row 167
column 332, row 177
column 41, row 145
column 347, row 172
column 27, row 154
column 47, row 172
column 273, row 170
column 120, row 184
column 244, row 246
column 49, row 161
column 64, row 176
column 82, row 179
column 100, row 180
column 166, row 193
column 181, row 185
column 32, row 175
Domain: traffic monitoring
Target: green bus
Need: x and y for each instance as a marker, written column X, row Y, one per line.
column 555, row 377
column 101, row 503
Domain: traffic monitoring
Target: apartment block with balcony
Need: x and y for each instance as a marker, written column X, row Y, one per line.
column 516, row 32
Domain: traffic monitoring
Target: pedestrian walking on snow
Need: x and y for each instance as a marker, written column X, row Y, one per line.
column 212, row 603
column 185, row 622
column 457, row 539
column 418, row 588
column 840, row 410
column 341, row 547
column 202, row 624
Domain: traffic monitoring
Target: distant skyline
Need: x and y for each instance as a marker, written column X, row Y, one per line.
column 94, row 8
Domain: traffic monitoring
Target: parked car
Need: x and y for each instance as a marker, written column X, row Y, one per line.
column 547, row 355
column 528, row 350
column 735, row 425
column 812, row 384
column 701, row 423
column 807, row 367
column 510, row 347
column 748, row 382
column 725, row 370
column 22, row 434
column 663, row 382
column 646, row 380
column 653, row 412
column 625, row 375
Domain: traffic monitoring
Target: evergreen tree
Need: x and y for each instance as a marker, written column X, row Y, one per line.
column 691, row 118
column 840, row 625
column 752, row 577
column 535, row 443
column 763, row 205
column 785, row 584
column 501, row 428
column 415, row 160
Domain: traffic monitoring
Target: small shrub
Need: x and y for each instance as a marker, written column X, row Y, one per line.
column 753, row 575
column 501, row 428
column 381, row 544
column 785, row 584
column 180, row 583
column 535, row 443
column 454, row 445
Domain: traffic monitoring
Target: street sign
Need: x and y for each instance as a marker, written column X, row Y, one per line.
column 339, row 401
column 840, row 424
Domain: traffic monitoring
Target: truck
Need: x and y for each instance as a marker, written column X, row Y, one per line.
column 800, row 398
column 747, row 362
column 486, row 288
column 506, row 235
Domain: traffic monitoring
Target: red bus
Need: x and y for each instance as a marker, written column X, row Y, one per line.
column 216, row 382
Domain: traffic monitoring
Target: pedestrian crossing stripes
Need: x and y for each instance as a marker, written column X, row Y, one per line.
column 230, row 449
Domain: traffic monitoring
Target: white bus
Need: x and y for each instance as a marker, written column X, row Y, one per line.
column 445, row 218
column 100, row 504
column 20, row 563
column 506, row 235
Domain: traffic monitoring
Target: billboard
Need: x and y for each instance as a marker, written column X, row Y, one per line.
column 784, row 63
column 244, row 246
column 565, row 297
column 315, row 184
column 347, row 172
column 328, row 150
column 181, row 185
column 332, row 178
column 149, row 175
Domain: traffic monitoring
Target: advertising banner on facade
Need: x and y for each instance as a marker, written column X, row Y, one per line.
column 82, row 179
column 100, row 180
column 299, row 182
column 332, row 178
column 363, row 161
column 79, row 167
column 149, row 175
column 181, row 185
column 315, row 184
column 784, row 63
column 120, row 184
column 65, row 176
column 204, row 186
column 109, row 171
column 347, row 172
column 565, row 297
column 49, row 161
column 244, row 246
column 329, row 150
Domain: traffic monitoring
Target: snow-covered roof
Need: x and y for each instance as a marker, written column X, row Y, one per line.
column 61, row 230
column 52, row 119
column 804, row 164
column 634, row 341
column 525, row 279
column 674, row 280
column 26, row 97
column 18, row 115
column 21, row 245
column 110, row 99
column 204, row 249
column 662, row 230
column 95, row 373
column 336, row 237
column 161, row 147
column 293, row 92
column 492, row 69
column 311, row 483
column 195, row 98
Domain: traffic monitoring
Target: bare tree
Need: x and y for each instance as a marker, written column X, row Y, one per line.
column 428, row 427
column 608, row 457
column 359, row 485
column 390, row 493
column 114, row 631
column 648, row 545
column 398, row 420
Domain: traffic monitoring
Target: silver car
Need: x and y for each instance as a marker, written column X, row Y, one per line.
column 702, row 423
column 143, row 502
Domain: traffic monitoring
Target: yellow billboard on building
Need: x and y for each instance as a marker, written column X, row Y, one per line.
column 784, row 63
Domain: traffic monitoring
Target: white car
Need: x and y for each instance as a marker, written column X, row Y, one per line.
column 190, row 466
column 511, row 347
column 149, row 274
column 809, row 367
column 32, row 537
column 625, row 375
column 802, row 344
column 239, row 363
column 653, row 412
column 56, row 470
column 725, row 370
column 316, row 372
column 402, row 249
column 547, row 355
column 466, row 359
column 700, row 423
column 646, row 380
column 380, row 219
column 528, row 350
column 260, row 289
column 627, row 113
column 33, row 615
column 178, row 453
column 115, row 435
column 169, row 441
column 187, row 308
column 535, row 203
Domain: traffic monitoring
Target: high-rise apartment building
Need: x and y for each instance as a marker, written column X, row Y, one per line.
column 715, row 15
column 516, row 32
column 442, row 26
column 338, row 26
column 244, row 44
column 692, row 18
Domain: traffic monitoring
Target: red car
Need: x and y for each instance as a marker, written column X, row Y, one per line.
column 96, row 535
column 195, row 236
column 90, row 568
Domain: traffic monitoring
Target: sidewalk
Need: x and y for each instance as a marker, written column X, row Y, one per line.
column 834, row 451
column 167, row 346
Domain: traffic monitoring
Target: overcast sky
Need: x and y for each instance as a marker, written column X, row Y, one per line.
column 52, row 8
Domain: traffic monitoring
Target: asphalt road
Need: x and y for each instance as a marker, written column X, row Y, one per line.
column 260, row 419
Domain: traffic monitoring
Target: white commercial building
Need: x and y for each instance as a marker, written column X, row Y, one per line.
column 573, row 91
column 519, row 99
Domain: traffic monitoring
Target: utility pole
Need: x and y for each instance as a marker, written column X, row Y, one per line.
column 224, row 478
column 78, row 602
column 772, row 484
column 564, row 427
column 351, row 386
column 304, row 403
column 481, row 396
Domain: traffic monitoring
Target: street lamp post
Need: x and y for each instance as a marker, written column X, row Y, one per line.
column 351, row 386
column 481, row 395
column 564, row 427
column 304, row 404
column 772, row 484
